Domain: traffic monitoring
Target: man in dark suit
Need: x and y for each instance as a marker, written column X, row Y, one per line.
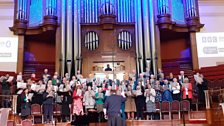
column 108, row 68
column 112, row 109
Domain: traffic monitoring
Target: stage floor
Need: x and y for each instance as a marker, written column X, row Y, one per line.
column 197, row 118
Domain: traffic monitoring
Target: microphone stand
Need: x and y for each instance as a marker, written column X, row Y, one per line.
column 55, row 103
column 183, row 116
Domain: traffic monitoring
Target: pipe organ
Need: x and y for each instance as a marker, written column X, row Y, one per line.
column 107, row 29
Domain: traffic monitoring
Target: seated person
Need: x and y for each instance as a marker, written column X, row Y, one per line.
column 108, row 68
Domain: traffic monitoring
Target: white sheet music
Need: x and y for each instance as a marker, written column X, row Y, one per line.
column 21, row 85
column 30, row 95
column 34, row 87
column 10, row 78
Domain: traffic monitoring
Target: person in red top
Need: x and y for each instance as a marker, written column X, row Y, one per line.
column 77, row 101
column 187, row 92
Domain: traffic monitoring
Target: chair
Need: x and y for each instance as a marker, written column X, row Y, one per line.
column 57, row 110
column 165, row 108
column 36, row 112
column 185, row 107
column 175, row 107
column 26, row 122
column 11, row 123
column 158, row 109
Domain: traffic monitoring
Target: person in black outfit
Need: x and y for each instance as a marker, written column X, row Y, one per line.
column 112, row 109
column 108, row 68
column 139, row 100
column 48, row 97
column 201, row 87
column 5, row 91
column 66, row 100
column 25, row 104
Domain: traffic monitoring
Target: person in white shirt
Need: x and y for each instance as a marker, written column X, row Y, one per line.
column 175, row 86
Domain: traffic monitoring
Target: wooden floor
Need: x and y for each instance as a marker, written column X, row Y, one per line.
column 213, row 117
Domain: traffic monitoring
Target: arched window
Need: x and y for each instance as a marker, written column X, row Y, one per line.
column 124, row 40
column 107, row 9
column 91, row 40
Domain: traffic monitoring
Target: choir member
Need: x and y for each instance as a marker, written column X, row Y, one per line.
column 77, row 101
column 48, row 98
column 130, row 107
column 25, row 104
column 150, row 95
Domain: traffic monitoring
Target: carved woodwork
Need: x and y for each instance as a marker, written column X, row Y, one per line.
column 108, row 50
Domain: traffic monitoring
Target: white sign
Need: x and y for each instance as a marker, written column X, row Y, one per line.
column 8, row 49
column 210, row 44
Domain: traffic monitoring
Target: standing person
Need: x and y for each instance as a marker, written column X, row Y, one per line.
column 175, row 86
column 187, row 90
column 45, row 76
column 181, row 77
column 88, row 100
column 158, row 89
column 167, row 96
column 160, row 75
column 48, row 97
column 201, row 88
column 25, row 104
column 66, row 101
column 99, row 103
column 77, row 101
column 130, row 107
column 5, row 90
column 150, row 95
column 112, row 109
column 139, row 101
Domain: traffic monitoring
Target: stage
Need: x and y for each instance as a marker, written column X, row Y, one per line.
column 212, row 117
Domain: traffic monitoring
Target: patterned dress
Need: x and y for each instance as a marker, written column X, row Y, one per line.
column 158, row 93
column 77, row 103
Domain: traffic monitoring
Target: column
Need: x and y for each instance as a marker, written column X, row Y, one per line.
column 58, row 50
column 14, row 104
column 20, row 54
column 194, row 52
column 207, row 100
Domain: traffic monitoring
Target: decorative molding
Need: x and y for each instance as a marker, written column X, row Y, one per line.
column 211, row 2
column 212, row 14
column 7, row 4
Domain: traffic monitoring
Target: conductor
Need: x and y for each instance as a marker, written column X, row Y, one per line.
column 112, row 109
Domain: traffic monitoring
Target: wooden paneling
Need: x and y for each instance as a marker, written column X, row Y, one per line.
column 108, row 46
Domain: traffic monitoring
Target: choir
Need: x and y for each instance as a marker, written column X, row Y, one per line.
column 78, row 96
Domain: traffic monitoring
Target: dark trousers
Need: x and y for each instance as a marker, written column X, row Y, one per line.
column 176, row 96
column 115, row 120
column 139, row 101
column 6, row 100
column 48, row 112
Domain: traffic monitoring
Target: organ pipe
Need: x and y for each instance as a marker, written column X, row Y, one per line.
column 63, row 35
column 22, row 6
column 69, row 34
column 153, row 35
column 146, row 31
column 51, row 7
column 163, row 7
column 191, row 8
column 76, row 34
column 139, row 37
